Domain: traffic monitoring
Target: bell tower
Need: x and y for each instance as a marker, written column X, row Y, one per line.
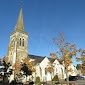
column 18, row 45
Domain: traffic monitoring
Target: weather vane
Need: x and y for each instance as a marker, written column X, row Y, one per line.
column 21, row 3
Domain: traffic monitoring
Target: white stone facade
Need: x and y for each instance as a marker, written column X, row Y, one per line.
column 59, row 70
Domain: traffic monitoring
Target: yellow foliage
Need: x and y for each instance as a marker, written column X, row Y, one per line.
column 29, row 63
column 70, row 70
column 33, row 69
column 49, row 69
column 79, row 50
column 66, row 50
column 5, row 59
column 67, row 43
column 53, row 55
column 73, row 45
column 83, row 51
column 17, row 67
column 83, row 68
column 67, row 60
column 78, row 59
column 26, row 60
column 74, row 53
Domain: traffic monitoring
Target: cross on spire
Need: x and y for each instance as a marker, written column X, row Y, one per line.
column 21, row 3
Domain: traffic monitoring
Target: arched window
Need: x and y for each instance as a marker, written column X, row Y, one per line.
column 56, row 69
column 23, row 43
column 12, row 43
column 20, row 42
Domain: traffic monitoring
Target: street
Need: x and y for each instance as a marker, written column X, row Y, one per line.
column 78, row 82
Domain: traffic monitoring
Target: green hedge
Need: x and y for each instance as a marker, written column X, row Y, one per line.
column 55, row 78
column 37, row 80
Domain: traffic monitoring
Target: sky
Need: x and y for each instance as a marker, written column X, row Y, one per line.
column 43, row 20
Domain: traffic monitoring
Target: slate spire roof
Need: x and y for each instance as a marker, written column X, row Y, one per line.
column 20, row 24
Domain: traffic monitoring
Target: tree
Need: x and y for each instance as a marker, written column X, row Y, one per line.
column 65, row 52
column 26, row 70
column 83, row 68
column 82, row 58
column 55, row 78
column 79, row 66
column 27, row 67
column 7, row 71
column 17, row 70
column 23, row 68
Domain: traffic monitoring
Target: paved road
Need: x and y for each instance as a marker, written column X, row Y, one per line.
column 78, row 82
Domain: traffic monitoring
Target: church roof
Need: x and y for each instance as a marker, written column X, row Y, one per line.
column 35, row 57
column 38, row 59
column 20, row 24
column 51, row 60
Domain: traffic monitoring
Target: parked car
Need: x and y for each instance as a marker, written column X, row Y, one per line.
column 31, row 83
column 72, row 78
column 80, row 78
column 20, row 83
column 83, row 77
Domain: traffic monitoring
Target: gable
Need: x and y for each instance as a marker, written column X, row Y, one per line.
column 56, row 62
column 45, row 62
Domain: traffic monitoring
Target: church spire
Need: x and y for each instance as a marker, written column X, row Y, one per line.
column 20, row 24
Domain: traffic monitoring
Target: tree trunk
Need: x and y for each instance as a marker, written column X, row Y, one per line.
column 67, row 78
column 60, row 82
column 51, row 79
column 26, row 79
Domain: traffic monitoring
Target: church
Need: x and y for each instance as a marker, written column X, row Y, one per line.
column 18, row 49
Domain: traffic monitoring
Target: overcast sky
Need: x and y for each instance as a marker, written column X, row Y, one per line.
column 43, row 20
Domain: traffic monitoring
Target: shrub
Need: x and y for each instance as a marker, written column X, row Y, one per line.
column 55, row 78
column 69, row 75
column 37, row 81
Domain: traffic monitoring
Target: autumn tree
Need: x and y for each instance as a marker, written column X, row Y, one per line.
column 17, row 70
column 82, row 58
column 79, row 66
column 65, row 52
column 26, row 70
column 27, row 67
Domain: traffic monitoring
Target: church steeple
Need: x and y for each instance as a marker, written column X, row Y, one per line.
column 18, row 45
column 20, row 24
